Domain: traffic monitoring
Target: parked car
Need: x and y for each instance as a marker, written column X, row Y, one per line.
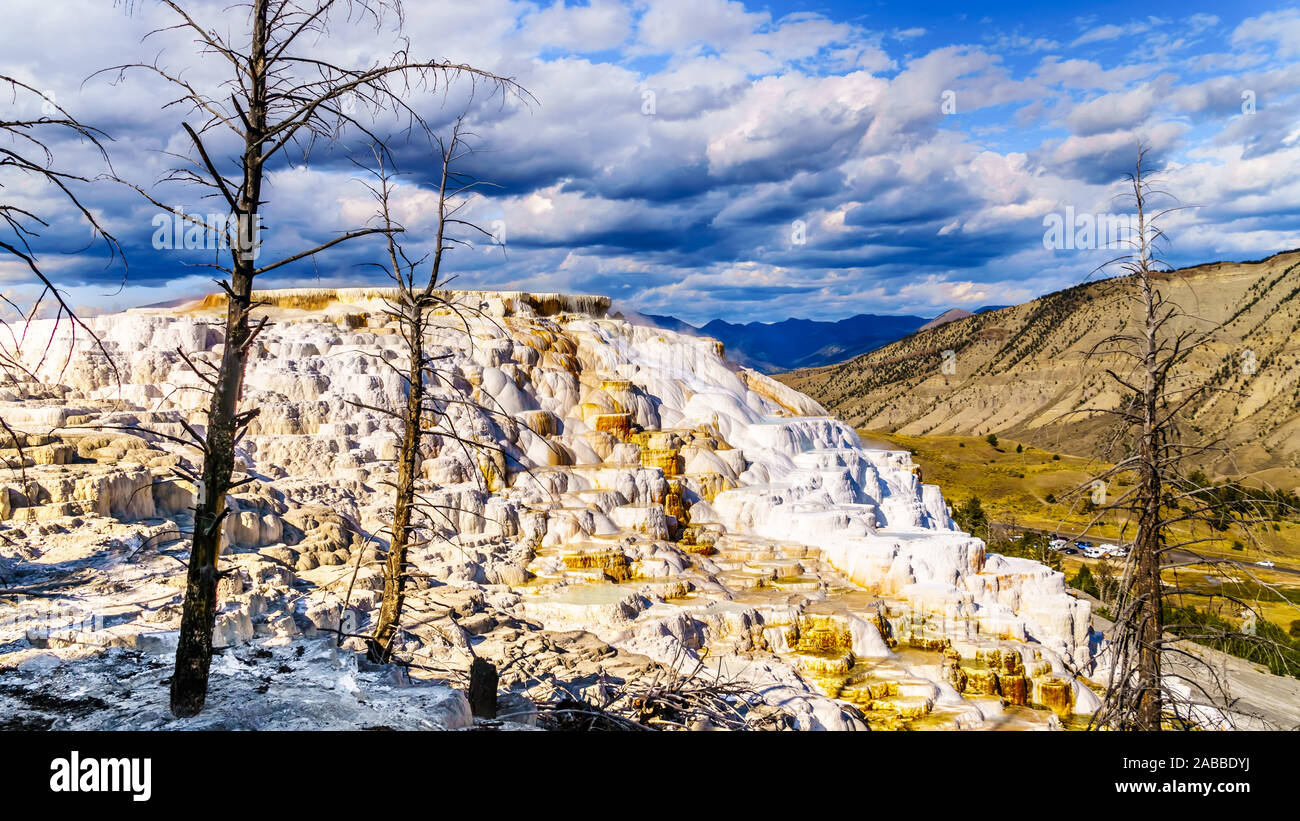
column 1082, row 545
column 1110, row 549
column 1093, row 553
column 1057, row 544
column 1070, row 551
column 1265, row 563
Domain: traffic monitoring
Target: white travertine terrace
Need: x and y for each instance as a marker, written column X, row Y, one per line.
column 650, row 492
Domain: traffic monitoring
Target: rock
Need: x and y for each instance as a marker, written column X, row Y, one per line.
column 479, row 624
column 314, row 617
column 270, row 574
column 233, row 627
column 39, row 663
column 281, row 554
column 516, row 708
column 232, row 584
column 507, row 573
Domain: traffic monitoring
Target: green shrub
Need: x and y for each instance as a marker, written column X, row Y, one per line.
column 970, row 516
column 1269, row 646
column 1083, row 580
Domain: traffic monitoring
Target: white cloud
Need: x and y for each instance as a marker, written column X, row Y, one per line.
column 600, row 26
column 1278, row 28
column 756, row 121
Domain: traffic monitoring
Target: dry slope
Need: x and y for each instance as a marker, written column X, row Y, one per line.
column 1021, row 371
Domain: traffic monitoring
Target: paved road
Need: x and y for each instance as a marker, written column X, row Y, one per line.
column 1174, row 556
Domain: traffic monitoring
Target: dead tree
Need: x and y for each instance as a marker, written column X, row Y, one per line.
column 417, row 297
column 420, row 296
column 25, row 152
column 1167, row 496
column 279, row 94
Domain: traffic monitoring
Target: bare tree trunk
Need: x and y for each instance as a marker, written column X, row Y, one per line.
column 1150, row 483
column 482, row 692
column 1166, row 503
column 390, row 608
column 412, row 311
column 189, row 685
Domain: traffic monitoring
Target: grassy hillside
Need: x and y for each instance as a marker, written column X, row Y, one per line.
column 1021, row 372
column 1030, row 488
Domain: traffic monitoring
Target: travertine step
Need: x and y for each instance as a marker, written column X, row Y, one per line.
column 780, row 569
column 826, row 664
column 800, row 584
column 743, row 580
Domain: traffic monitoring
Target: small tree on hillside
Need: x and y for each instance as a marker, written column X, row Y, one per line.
column 970, row 517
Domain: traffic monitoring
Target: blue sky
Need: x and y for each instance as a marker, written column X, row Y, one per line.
column 710, row 158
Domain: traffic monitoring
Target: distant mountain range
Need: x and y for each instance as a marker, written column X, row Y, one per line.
column 772, row 347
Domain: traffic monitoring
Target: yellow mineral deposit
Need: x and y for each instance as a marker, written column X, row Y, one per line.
column 540, row 422
column 1015, row 689
column 589, row 411
column 824, row 634
column 556, row 360
column 1057, row 695
column 674, row 505
column 709, row 485
column 492, row 468
column 612, row 563
column 668, row 461
column 618, row 424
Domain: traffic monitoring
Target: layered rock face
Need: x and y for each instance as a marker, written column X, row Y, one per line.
column 605, row 477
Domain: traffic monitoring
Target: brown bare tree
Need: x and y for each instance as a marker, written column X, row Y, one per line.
column 25, row 153
column 280, row 94
column 1168, row 497
column 430, row 388
column 417, row 298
